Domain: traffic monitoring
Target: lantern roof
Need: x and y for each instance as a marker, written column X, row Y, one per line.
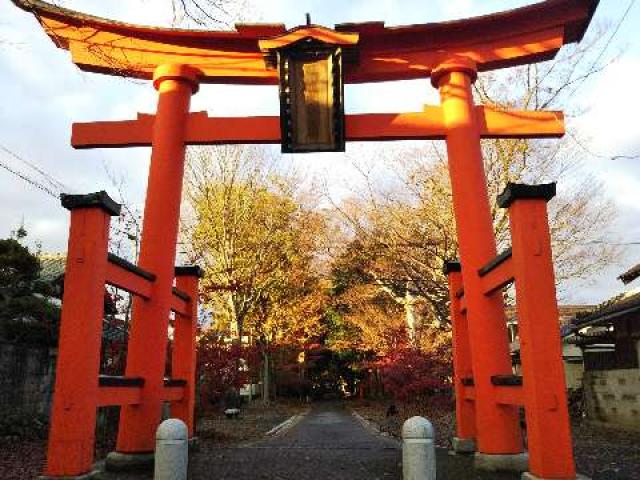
column 313, row 32
column 524, row 35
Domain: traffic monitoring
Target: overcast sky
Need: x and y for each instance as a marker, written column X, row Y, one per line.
column 43, row 93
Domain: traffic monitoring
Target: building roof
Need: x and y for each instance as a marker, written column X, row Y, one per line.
column 520, row 36
column 566, row 312
column 52, row 266
column 630, row 275
column 614, row 308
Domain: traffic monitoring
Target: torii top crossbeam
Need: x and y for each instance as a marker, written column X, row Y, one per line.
column 515, row 37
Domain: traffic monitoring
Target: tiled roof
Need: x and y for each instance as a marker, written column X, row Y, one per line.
column 627, row 302
column 630, row 275
column 52, row 265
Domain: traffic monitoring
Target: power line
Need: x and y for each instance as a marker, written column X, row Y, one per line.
column 606, row 45
column 53, row 182
column 602, row 242
column 615, row 32
column 29, row 180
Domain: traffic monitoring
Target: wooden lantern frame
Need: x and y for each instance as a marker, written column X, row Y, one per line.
column 304, row 51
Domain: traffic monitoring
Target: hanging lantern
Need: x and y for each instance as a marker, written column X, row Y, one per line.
column 310, row 70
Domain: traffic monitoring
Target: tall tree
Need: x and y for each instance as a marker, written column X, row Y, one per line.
column 249, row 227
column 402, row 229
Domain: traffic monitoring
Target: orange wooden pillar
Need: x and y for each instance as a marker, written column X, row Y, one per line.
column 73, row 414
column 147, row 344
column 498, row 429
column 183, row 362
column 464, row 442
column 548, row 428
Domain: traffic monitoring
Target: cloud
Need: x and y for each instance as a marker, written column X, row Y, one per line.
column 612, row 121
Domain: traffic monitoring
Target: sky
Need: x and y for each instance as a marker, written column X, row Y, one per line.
column 43, row 93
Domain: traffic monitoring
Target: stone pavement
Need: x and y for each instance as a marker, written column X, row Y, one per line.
column 328, row 443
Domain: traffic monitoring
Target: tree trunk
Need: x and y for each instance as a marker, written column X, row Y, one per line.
column 265, row 379
column 410, row 316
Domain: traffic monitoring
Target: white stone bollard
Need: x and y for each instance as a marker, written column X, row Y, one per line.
column 172, row 450
column 418, row 450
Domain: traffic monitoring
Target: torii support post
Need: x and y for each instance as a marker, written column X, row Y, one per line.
column 183, row 363
column 150, row 320
column 498, row 426
column 544, row 386
column 73, row 414
column 464, row 441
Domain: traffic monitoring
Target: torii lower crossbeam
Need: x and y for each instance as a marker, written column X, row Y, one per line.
column 426, row 125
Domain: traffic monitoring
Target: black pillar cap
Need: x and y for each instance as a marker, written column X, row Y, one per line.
column 516, row 191
column 451, row 266
column 91, row 200
column 189, row 271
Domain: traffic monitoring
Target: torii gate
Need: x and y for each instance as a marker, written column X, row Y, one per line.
column 451, row 53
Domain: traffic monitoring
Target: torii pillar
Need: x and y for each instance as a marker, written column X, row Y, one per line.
column 498, row 428
column 146, row 356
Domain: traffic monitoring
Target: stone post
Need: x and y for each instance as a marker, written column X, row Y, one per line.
column 418, row 450
column 172, row 450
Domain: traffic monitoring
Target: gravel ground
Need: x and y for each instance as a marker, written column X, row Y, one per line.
column 602, row 453
column 605, row 453
column 254, row 421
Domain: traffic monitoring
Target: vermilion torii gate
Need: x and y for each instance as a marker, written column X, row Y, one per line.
column 451, row 54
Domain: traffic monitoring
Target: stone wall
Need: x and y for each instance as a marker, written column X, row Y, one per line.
column 26, row 378
column 613, row 397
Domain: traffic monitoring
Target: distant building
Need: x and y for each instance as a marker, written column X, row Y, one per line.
column 115, row 326
column 52, row 266
column 609, row 338
column 571, row 354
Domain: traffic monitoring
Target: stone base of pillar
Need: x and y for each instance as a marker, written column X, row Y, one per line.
column 463, row 445
column 94, row 474
column 531, row 476
column 129, row 462
column 517, row 462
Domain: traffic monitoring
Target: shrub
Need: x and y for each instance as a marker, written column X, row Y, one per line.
column 222, row 365
column 23, row 424
column 411, row 375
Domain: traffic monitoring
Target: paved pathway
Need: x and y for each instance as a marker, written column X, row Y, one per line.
column 328, row 443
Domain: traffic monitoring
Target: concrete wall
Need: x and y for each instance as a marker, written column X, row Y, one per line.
column 573, row 366
column 26, row 378
column 613, row 397
column 573, row 373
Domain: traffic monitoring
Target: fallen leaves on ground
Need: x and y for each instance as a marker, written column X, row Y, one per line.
column 442, row 417
column 601, row 452
column 21, row 459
